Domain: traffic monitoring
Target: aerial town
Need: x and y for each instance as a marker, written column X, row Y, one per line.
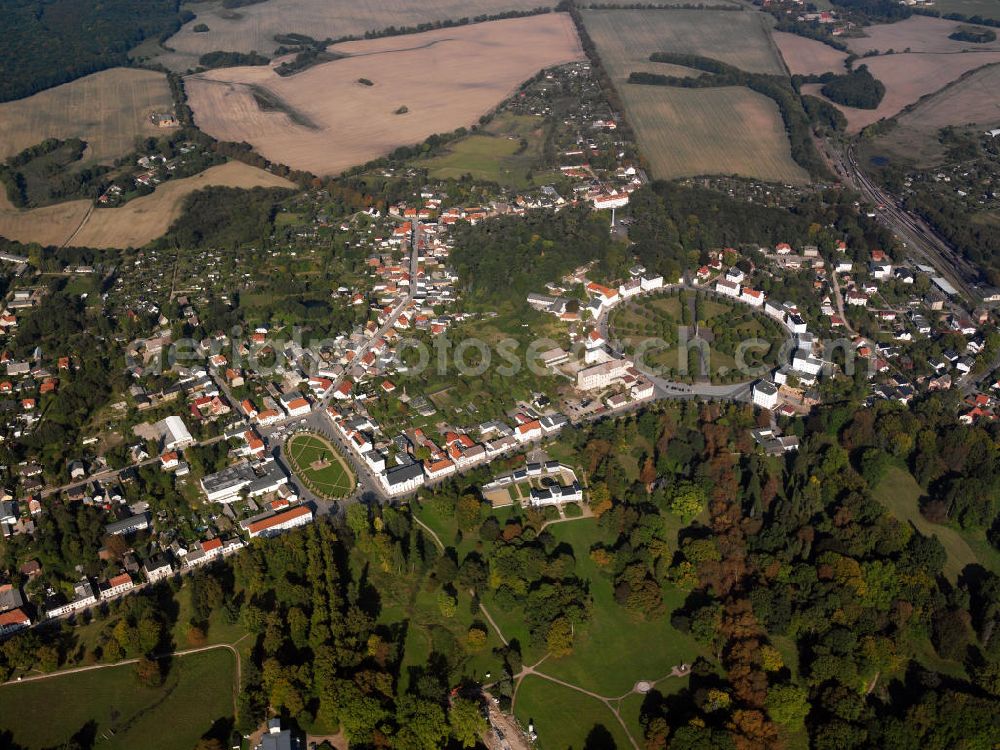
column 390, row 443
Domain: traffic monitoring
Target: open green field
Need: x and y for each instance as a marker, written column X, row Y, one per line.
column 111, row 707
column 900, row 493
column 691, row 132
column 319, row 465
column 612, row 630
column 505, row 152
column 565, row 718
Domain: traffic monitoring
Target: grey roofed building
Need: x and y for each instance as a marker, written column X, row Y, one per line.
column 400, row 475
column 228, row 483
column 128, row 525
column 10, row 597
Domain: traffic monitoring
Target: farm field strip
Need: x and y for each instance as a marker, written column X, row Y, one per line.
column 807, row 56
column 137, row 222
column 626, row 38
column 970, row 100
column 730, row 130
column 691, row 132
column 252, row 28
column 445, row 79
column 108, row 110
column 917, row 34
column 907, row 78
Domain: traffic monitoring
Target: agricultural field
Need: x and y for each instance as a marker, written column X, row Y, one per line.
column 730, row 131
column 970, row 8
column 626, row 38
column 494, row 153
column 252, row 27
column 807, row 56
column 137, row 222
column 108, row 110
column 319, row 465
column 971, row 100
column 689, row 132
column 917, row 34
column 444, row 79
column 907, row 78
column 110, row 709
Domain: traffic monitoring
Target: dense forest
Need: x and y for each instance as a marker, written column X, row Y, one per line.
column 859, row 88
column 224, row 217
column 505, row 259
column 48, row 42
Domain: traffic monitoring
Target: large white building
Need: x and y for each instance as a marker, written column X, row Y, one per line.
column 175, row 434
column 602, row 375
column 765, row 394
column 727, row 288
column 402, row 479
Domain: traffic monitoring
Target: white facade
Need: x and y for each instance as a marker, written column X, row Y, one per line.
column 602, row 375
column 765, row 394
column 727, row 288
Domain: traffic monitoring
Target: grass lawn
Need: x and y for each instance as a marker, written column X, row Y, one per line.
column 612, row 651
column 495, row 154
column 197, row 692
column 900, row 494
column 565, row 718
column 317, row 463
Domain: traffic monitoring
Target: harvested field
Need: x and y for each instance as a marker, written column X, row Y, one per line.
column 108, row 110
column 50, row 225
column 972, row 100
column 908, row 77
column 918, row 33
column 970, row 8
column 137, row 222
column 325, row 121
column 807, row 56
column 252, row 28
column 731, row 130
column 626, row 38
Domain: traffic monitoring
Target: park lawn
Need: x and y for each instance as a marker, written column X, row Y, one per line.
column 219, row 630
column 197, row 692
column 332, row 481
column 564, row 718
column 613, row 631
column 900, row 494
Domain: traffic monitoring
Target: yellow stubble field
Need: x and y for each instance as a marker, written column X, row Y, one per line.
column 325, row 121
